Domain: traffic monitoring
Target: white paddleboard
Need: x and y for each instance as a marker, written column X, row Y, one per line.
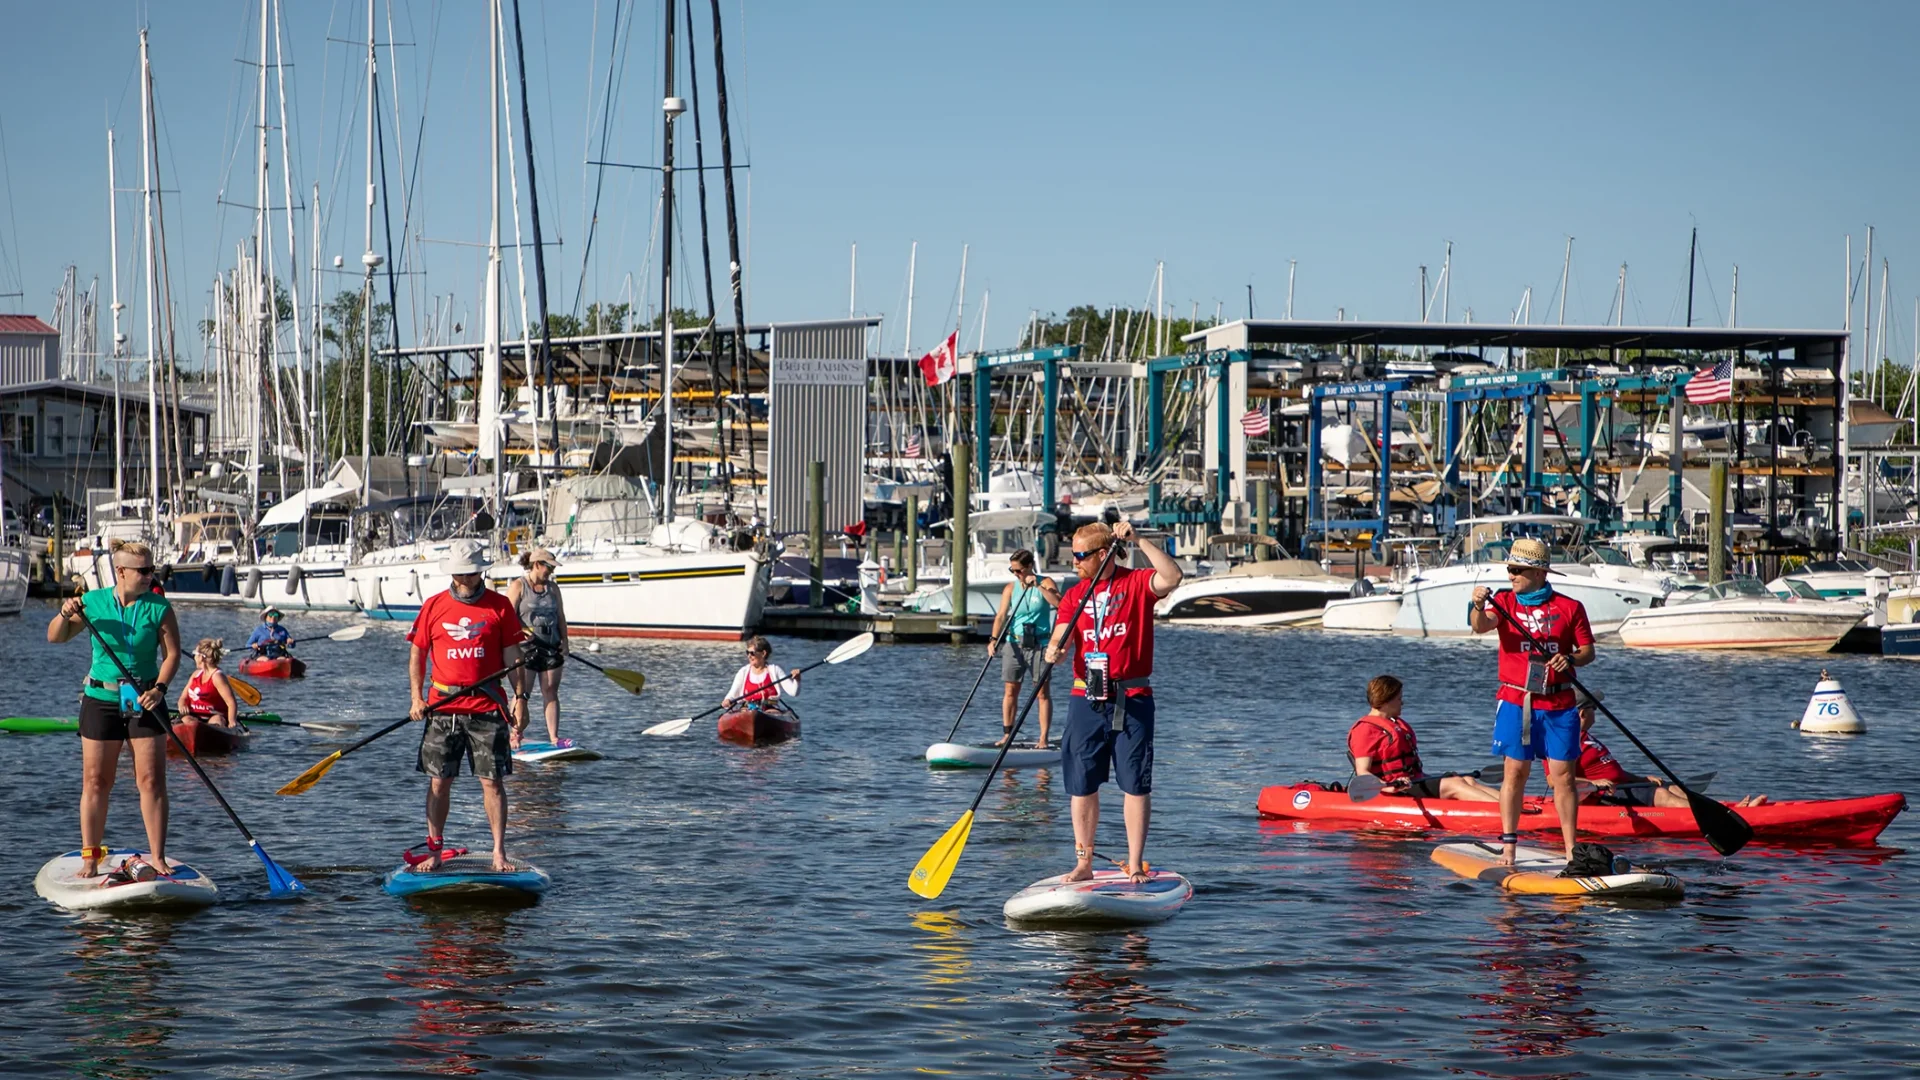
column 471, row 875
column 540, row 751
column 1107, row 898
column 948, row 755
column 60, row 882
column 1537, row 871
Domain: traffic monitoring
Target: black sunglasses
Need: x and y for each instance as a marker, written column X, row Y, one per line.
column 143, row 571
column 1088, row 554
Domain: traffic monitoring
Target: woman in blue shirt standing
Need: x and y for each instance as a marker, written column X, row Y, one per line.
column 138, row 626
column 1020, row 628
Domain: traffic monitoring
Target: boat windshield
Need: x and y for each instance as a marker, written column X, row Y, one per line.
column 1607, row 556
column 1837, row 566
column 1803, row 590
column 1738, row 588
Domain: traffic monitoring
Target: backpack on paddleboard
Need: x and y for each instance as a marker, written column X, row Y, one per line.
column 1594, row 860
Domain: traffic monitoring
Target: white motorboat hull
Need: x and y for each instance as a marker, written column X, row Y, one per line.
column 1431, row 607
column 13, row 580
column 1374, row 613
column 1741, row 624
column 1251, row 600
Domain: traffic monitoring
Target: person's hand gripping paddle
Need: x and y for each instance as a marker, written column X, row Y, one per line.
column 935, row 868
column 279, row 881
column 1725, row 830
column 844, row 652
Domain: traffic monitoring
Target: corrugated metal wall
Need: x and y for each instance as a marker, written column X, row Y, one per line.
column 26, row 358
column 817, row 413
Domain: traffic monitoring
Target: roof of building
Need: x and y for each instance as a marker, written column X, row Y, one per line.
column 1268, row 333
column 24, row 324
column 68, row 388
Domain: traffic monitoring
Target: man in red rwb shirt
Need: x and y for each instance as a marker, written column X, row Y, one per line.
column 1110, row 717
column 466, row 635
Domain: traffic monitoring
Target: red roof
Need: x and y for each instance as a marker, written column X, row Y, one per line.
column 24, row 324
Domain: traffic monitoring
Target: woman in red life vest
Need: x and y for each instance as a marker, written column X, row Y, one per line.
column 1384, row 744
column 759, row 683
column 1597, row 767
column 208, row 695
column 1111, row 714
column 1536, row 717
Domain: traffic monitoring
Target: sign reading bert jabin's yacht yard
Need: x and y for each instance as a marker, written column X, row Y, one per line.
column 820, row 371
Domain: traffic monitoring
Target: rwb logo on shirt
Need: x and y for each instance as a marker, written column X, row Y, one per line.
column 464, row 630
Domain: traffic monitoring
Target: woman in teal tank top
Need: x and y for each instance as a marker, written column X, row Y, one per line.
column 1020, row 626
column 137, row 626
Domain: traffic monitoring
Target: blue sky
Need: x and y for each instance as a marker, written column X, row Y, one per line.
column 1071, row 145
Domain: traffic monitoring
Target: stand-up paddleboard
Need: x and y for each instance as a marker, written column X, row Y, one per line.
column 948, row 755
column 1537, row 871
column 59, row 725
column 564, row 750
column 1107, row 898
column 60, row 882
column 470, row 876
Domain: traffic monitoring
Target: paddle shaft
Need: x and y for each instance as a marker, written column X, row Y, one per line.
column 432, row 705
column 978, row 680
column 789, row 675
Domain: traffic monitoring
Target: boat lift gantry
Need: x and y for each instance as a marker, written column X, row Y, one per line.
column 1383, row 391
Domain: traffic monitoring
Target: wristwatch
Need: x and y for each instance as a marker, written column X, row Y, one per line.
column 162, row 687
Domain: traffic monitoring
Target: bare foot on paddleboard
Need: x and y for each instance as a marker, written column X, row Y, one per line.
column 1506, row 856
column 1140, row 876
column 1082, row 871
column 502, row 864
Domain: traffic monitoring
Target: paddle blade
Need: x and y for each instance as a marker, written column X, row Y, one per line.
column 299, row 784
column 349, row 633
column 671, row 727
column 326, row 728
column 279, row 881
column 630, row 681
column 244, row 690
column 1725, row 830
column 1363, row 788
column 930, row 874
column 850, row 648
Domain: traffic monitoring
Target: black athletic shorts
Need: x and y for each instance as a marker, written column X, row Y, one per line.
column 102, row 721
column 1427, row 787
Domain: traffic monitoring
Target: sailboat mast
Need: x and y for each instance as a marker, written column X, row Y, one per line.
column 263, row 284
column 670, row 107
column 119, row 339
column 370, row 261
column 1693, row 248
column 153, row 330
column 489, row 412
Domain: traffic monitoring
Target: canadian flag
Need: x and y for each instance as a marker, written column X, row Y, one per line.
column 937, row 366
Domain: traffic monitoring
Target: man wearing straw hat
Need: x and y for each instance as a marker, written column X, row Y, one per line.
column 1536, row 716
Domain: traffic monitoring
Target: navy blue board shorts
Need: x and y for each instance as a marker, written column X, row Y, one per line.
column 1556, row 734
column 1091, row 749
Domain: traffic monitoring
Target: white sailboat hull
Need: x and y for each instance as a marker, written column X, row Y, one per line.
column 646, row 592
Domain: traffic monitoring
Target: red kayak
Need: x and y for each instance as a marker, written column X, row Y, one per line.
column 755, row 727
column 278, row 667
column 202, row 738
column 1819, row 821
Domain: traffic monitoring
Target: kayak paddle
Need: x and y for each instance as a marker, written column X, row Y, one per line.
column 244, row 690
column 279, row 881
column 299, row 784
column 1726, row 831
column 846, row 651
column 345, row 633
column 935, row 868
column 1365, row 788
column 630, row 681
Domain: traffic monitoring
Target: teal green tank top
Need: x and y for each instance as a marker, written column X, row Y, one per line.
column 131, row 632
column 1029, row 608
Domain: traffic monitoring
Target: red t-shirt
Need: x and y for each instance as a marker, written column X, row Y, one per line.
column 464, row 644
column 1122, row 609
column 1561, row 625
column 1596, row 763
column 1390, row 742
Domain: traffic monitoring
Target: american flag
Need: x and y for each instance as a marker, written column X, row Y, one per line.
column 1255, row 423
column 911, row 448
column 1711, row 385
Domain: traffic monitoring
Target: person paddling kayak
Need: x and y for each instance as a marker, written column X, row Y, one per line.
column 759, row 683
column 208, row 695
column 1111, row 715
column 1023, row 620
column 1383, row 744
column 461, row 637
column 139, row 628
column 1616, row 786
column 270, row 640
column 1536, row 717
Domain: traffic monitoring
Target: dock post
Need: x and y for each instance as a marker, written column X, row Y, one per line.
column 816, row 533
column 895, row 566
column 1262, row 516
column 1717, row 521
column 957, row 537
column 913, row 543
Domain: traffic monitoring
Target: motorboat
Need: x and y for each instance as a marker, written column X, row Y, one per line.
column 1434, row 603
column 992, row 537
column 1832, row 579
column 1740, row 613
column 1268, row 592
column 1373, row 606
column 13, row 580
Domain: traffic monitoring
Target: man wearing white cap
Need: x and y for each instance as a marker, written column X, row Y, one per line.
column 1536, row 717
column 464, row 636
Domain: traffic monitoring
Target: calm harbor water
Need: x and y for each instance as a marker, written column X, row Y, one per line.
column 727, row 912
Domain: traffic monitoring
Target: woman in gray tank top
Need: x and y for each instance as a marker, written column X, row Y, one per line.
column 536, row 598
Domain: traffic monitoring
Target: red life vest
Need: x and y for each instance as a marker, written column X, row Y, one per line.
column 1597, row 763
column 203, row 698
column 1397, row 754
column 760, row 689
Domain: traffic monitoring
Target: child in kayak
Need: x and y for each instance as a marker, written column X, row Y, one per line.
column 208, row 695
column 759, row 683
column 1597, row 767
column 1383, row 744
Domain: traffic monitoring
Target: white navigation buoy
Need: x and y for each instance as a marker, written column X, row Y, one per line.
column 1829, row 712
column 593, row 646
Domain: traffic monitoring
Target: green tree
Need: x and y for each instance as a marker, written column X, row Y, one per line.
column 342, row 378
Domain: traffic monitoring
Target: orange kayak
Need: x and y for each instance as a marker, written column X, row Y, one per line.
column 202, row 738
column 755, row 727
column 278, row 667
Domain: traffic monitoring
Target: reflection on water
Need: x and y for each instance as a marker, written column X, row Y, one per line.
column 125, row 1014
column 944, row 950
column 1538, row 1005
column 1116, row 1029
column 458, row 981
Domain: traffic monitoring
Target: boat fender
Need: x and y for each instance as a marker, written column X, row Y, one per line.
column 229, row 581
column 252, row 587
column 1829, row 712
column 353, row 594
column 413, row 583
column 294, row 574
column 374, row 599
